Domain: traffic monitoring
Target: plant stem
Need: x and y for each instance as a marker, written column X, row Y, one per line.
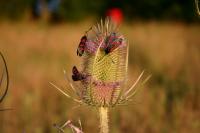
column 103, row 113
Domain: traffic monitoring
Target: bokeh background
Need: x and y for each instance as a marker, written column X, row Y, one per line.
column 39, row 39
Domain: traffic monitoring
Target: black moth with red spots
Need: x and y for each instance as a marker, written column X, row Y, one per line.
column 81, row 47
column 112, row 42
column 76, row 75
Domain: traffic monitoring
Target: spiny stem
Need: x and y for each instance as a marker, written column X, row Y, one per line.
column 103, row 113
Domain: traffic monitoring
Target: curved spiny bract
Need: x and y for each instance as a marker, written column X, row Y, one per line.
column 106, row 70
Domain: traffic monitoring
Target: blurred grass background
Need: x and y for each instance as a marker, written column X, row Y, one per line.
column 166, row 43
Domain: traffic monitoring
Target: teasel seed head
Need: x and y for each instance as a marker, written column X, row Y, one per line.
column 104, row 66
column 101, row 82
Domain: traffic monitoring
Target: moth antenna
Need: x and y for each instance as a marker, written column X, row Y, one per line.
column 86, row 32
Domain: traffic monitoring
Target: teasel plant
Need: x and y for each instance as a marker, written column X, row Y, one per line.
column 4, row 81
column 102, row 80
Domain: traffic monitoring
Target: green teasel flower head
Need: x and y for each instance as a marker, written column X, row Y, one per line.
column 104, row 53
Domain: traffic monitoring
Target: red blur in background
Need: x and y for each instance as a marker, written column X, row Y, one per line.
column 115, row 14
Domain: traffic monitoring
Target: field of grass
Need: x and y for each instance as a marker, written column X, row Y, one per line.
column 37, row 53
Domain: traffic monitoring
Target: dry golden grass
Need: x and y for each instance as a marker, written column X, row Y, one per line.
column 37, row 53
